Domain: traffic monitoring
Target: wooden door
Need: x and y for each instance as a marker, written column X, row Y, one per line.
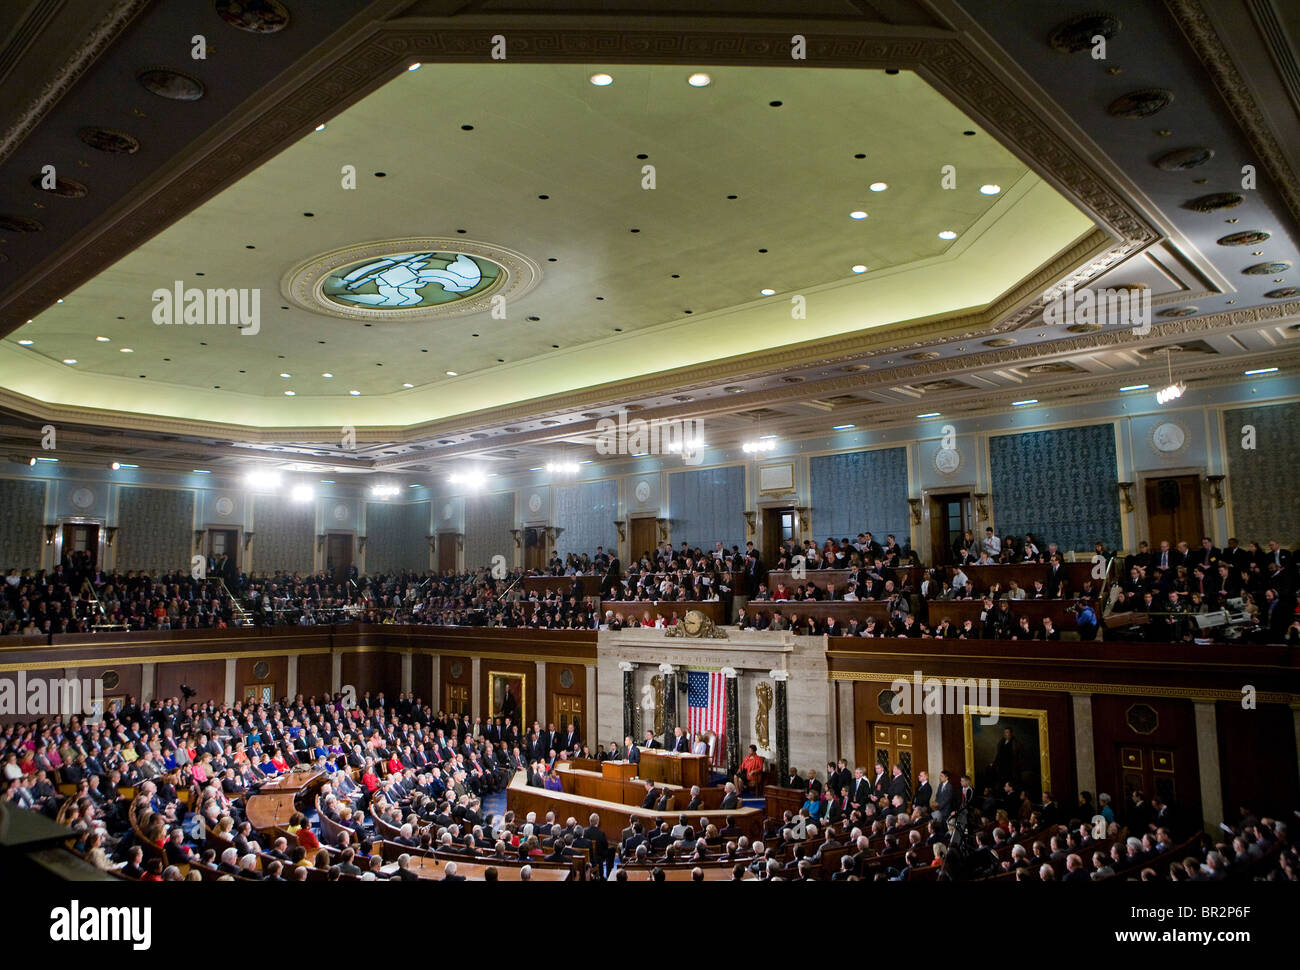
column 780, row 526
column 455, row 698
column 949, row 518
column 338, row 554
column 891, row 744
column 535, row 549
column 224, row 542
column 1149, row 770
column 645, row 537
column 446, row 552
column 1174, row 510
column 566, row 708
column 81, row 542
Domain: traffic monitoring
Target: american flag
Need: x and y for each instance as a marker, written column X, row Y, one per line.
column 706, row 698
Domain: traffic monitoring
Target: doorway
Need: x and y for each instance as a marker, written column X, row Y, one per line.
column 535, row 549
column 950, row 517
column 338, row 554
column 223, row 546
column 891, row 744
column 780, row 528
column 447, row 552
column 80, row 546
column 455, row 698
column 1149, row 770
column 645, row 537
column 565, row 709
column 1174, row 509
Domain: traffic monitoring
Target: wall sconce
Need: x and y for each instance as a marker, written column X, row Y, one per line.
column 1126, row 494
column 663, row 529
column 1216, row 489
column 198, row 538
column 803, row 519
column 751, row 524
column 361, row 544
column 320, row 542
column 50, row 532
column 248, row 538
column 109, row 533
column 433, row 540
column 915, row 503
column 981, row 505
column 621, row 526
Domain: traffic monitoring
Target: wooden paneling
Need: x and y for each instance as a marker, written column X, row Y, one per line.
column 206, row 677
column 1174, row 731
column 577, row 690
column 128, row 678
column 277, row 675
column 314, row 674
column 422, row 678
column 455, row 675
column 1271, row 788
column 866, row 713
column 373, row 670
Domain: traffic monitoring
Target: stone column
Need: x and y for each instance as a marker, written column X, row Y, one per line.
column 291, row 688
column 933, row 747
column 629, row 699
column 435, row 700
column 1084, row 753
column 1207, row 757
column 670, row 701
column 147, row 678
column 731, row 737
column 474, row 710
column 231, row 686
column 589, row 728
column 336, row 671
column 848, row 723
column 782, row 723
column 406, row 673
column 539, row 697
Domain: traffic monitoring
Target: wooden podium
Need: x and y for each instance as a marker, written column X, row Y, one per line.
column 675, row 769
column 617, row 770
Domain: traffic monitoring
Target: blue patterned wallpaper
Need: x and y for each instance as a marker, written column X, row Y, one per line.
column 396, row 537
column 21, row 536
column 488, row 521
column 284, row 537
column 1061, row 485
column 860, row 491
column 1263, row 500
column 706, row 505
column 155, row 528
column 586, row 512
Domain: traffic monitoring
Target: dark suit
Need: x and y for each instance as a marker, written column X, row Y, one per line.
column 945, row 796
column 633, row 755
column 682, row 744
column 731, row 801
column 923, row 795
column 651, row 796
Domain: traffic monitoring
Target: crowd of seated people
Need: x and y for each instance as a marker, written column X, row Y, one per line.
column 159, row 792
column 1171, row 584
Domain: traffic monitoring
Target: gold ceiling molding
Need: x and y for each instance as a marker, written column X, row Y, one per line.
column 100, row 37
column 322, row 90
column 1204, row 40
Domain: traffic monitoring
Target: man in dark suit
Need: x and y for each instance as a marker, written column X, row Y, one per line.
column 631, row 752
column 944, row 797
column 923, row 791
column 662, row 804
column 651, row 795
column 570, row 740
column 595, row 835
column 651, row 741
column 696, row 799
column 680, row 743
column 860, row 791
column 730, row 800
column 898, row 785
column 451, row 875
column 404, row 873
column 879, row 783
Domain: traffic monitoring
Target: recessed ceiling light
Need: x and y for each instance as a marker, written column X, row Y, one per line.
column 26, row 343
column 414, row 67
column 290, row 393
column 1017, row 404
column 114, row 465
column 125, row 350
column 102, row 340
column 321, row 126
column 1135, row 387
column 767, row 291
column 947, row 234
column 699, row 80
column 602, row 80
column 857, row 214
column 929, row 414
column 1259, row 370
column 408, row 386
column 355, row 393
column 59, row 300
column 879, row 186
column 69, row 360
column 843, row 427
column 285, row 376
column 202, row 471
column 990, row 189
column 451, row 373
column 327, row 374
column 859, row 268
